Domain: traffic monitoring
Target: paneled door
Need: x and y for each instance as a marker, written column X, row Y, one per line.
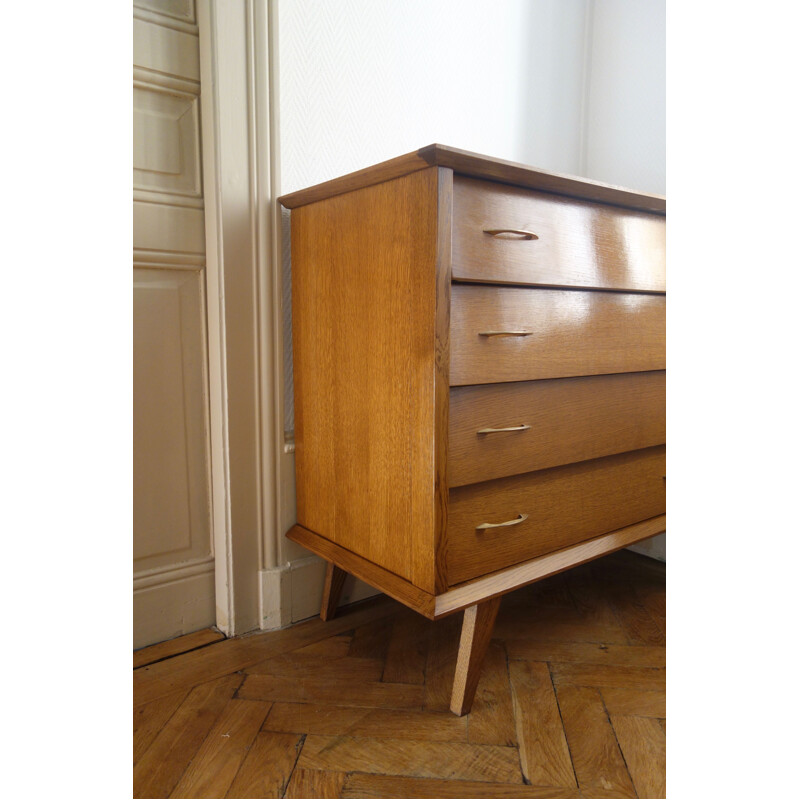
column 173, row 559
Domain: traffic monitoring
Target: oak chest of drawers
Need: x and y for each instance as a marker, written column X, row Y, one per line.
column 479, row 380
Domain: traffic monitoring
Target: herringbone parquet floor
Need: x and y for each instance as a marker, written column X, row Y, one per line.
column 571, row 701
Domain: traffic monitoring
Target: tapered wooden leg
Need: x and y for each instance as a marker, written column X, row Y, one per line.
column 476, row 632
column 334, row 580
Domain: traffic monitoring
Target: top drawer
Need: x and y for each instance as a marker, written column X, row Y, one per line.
column 579, row 243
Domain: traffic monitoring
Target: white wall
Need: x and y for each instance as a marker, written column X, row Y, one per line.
column 362, row 81
column 625, row 135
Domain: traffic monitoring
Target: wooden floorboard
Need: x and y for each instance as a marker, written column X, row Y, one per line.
column 174, row 647
column 571, row 702
column 643, row 744
column 150, row 718
column 543, row 751
column 382, row 723
column 268, row 766
column 492, row 718
column 219, row 758
column 363, row 785
column 419, row 758
column 596, row 757
column 169, row 755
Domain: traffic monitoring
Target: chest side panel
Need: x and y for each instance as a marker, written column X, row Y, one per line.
column 363, row 309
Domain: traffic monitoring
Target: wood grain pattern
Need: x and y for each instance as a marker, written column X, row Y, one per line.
column 163, row 764
column 491, row 719
column 626, row 702
column 363, row 316
column 565, row 505
column 387, row 489
column 223, row 658
column 398, row 588
column 371, row 641
column 315, row 783
column 476, row 632
column 544, row 566
column 468, row 593
column 379, row 723
column 599, row 675
column 405, row 661
column 181, row 644
column 472, row 164
column 329, row 651
column 334, row 647
column 290, row 666
column 572, row 333
column 595, row 753
column 643, row 744
column 587, row 653
column 268, row 765
column 213, row 769
column 591, row 602
column 369, row 176
column 370, row 786
column 562, row 621
column 331, row 591
column 424, row 759
column 334, row 692
column 639, row 625
column 579, row 243
column 440, row 666
column 150, row 718
column 444, row 240
column 558, row 625
column 478, row 166
column 543, row 747
column 570, row 419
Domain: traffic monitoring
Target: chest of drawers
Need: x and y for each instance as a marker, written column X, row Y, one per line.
column 479, row 380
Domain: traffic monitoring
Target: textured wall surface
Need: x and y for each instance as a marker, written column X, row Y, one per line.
column 626, row 99
column 362, row 81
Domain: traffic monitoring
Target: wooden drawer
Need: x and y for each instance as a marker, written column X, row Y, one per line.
column 565, row 505
column 568, row 419
column 567, row 333
column 579, row 243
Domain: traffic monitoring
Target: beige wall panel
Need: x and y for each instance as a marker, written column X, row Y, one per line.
column 171, row 609
column 173, row 228
column 166, row 51
column 166, row 135
column 179, row 9
column 171, row 500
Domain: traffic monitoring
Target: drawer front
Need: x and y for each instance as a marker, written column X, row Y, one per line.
column 500, row 334
column 564, row 506
column 579, row 243
column 551, row 422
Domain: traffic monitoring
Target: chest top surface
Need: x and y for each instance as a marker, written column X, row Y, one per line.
column 478, row 166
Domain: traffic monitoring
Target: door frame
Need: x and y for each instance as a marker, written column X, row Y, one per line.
column 238, row 78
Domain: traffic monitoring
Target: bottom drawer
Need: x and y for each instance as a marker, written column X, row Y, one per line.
column 564, row 505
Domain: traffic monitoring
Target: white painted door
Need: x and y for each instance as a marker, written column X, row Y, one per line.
column 173, row 560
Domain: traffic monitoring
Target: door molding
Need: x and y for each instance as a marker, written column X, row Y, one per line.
column 240, row 185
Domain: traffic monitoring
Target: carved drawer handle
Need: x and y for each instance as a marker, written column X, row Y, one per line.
column 520, row 518
column 528, row 235
column 504, row 333
column 501, row 430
